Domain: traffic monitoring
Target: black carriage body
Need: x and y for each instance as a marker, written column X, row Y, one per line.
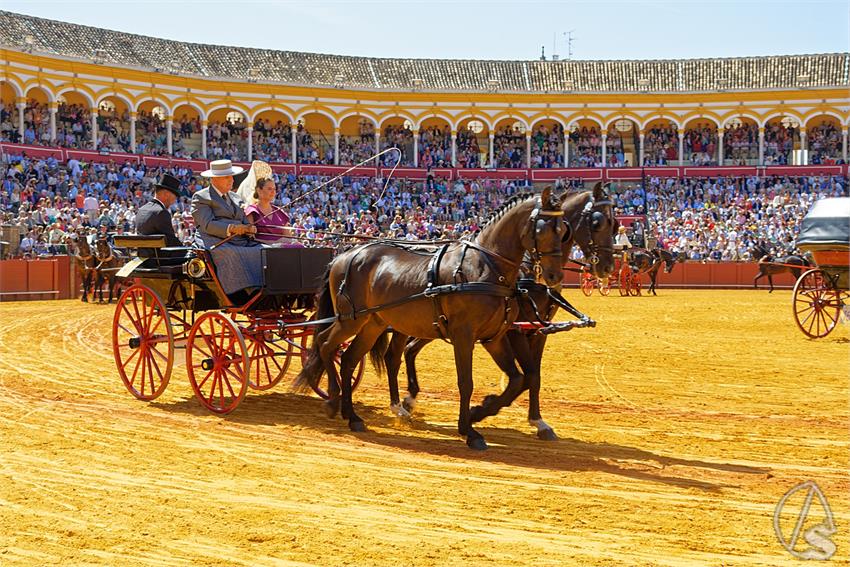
column 185, row 278
column 825, row 233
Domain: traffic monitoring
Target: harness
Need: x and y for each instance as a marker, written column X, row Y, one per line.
column 586, row 217
column 434, row 289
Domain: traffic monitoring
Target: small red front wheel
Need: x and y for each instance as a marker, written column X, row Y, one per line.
column 588, row 282
column 217, row 362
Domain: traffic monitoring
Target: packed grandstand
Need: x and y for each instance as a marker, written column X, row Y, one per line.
column 715, row 155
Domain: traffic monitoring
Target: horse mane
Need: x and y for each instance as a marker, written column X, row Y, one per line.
column 502, row 210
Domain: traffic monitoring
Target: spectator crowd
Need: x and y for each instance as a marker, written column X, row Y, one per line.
column 50, row 204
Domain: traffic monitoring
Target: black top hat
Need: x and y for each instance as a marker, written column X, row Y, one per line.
column 169, row 183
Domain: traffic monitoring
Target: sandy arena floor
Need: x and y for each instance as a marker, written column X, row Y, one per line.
column 683, row 420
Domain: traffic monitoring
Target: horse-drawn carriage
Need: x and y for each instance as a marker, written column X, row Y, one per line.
column 232, row 343
column 821, row 292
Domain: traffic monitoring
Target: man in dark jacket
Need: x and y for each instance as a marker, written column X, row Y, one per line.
column 154, row 217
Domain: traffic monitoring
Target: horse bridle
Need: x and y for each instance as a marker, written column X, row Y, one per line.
column 536, row 255
column 586, row 217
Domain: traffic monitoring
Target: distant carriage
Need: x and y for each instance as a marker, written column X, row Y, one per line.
column 821, row 293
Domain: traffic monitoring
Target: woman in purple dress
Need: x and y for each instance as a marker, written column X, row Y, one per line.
column 271, row 222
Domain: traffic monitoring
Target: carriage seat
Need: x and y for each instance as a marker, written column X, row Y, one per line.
column 152, row 246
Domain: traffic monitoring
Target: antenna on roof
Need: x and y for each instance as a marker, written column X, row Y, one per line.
column 543, row 53
column 570, row 40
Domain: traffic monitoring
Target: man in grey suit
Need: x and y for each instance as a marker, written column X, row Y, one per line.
column 218, row 216
column 153, row 217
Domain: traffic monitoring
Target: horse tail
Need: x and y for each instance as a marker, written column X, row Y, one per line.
column 379, row 349
column 314, row 369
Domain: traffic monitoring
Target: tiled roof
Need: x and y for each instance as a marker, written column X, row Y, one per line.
column 291, row 67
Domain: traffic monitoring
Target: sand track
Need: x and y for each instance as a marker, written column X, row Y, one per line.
column 683, row 420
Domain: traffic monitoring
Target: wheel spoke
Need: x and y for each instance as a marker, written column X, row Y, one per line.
column 156, row 366
column 144, row 366
column 216, row 379
column 130, row 317
column 135, row 370
column 125, row 329
column 226, row 381
column 207, row 377
column 129, row 358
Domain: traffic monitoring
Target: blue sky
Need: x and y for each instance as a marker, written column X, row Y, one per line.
column 478, row 30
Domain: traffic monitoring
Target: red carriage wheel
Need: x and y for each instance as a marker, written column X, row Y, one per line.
column 217, row 362
column 625, row 281
column 588, row 282
column 269, row 357
column 635, row 285
column 605, row 287
column 142, row 342
column 306, row 342
column 817, row 305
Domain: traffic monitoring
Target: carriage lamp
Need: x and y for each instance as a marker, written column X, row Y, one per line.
column 196, row 268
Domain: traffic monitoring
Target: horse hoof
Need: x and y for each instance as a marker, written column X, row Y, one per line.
column 476, row 444
column 357, row 426
column 547, row 435
column 331, row 408
column 399, row 411
column 409, row 404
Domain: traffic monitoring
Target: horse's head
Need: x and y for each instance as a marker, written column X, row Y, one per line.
column 542, row 238
column 667, row 258
column 102, row 249
column 83, row 247
column 591, row 225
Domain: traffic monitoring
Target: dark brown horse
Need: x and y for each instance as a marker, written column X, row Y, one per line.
column 86, row 264
column 592, row 228
column 465, row 292
column 108, row 264
column 649, row 262
column 771, row 266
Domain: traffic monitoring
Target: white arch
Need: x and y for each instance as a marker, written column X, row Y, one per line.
column 351, row 113
column 158, row 102
column 585, row 117
column 553, row 117
column 434, row 115
column 44, row 89
column 228, row 106
column 177, row 104
column 711, row 119
column 521, row 119
column 72, row 89
column 670, row 118
column 480, row 117
column 19, row 91
column 790, row 113
column 823, row 113
column 324, row 113
column 622, row 117
column 257, row 112
column 743, row 114
column 120, row 97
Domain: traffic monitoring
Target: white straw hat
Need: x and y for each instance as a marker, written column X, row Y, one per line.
column 222, row 168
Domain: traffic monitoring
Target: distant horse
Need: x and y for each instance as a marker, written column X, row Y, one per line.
column 86, row 264
column 591, row 225
column 649, row 262
column 770, row 266
column 108, row 263
column 465, row 292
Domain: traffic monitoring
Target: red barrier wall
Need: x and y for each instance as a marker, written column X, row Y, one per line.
column 729, row 275
column 50, row 278
column 540, row 175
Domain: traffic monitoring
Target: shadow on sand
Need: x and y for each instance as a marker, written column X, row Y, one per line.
column 508, row 446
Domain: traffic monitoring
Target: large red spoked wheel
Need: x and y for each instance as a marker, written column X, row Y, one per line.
column 817, row 305
column 635, row 285
column 217, row 362
column 142, row 342
column 625, row 281
column 306, row 342
column 587, row 284
column 269, row 359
